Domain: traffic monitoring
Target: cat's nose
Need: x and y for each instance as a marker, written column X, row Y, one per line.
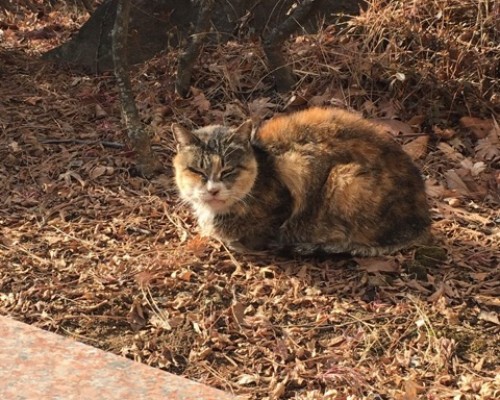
column 214, row 191
column 213, row 188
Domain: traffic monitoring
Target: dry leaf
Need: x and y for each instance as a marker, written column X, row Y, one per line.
column 439, row 293
column 295, row 100
column 97, row 171
column 378, row 264
column 33, row 100
column 100, row 112
column 411, row 390
column 474, row 168
column 238, row 312
column 320, row 100
column 14, row 147
column 477, row 126
column 261, row 108
column 455, row 182
column 416, row 121
column 489, row 148
column 434, row 189
column 417, row 148
column 135, row 316
column 489, row 316
column 446, row 133
column 387, row 108
column 278, row 389
column 71, row 174
column 394, row 126
column 246, row 379
column 450, row 152
column 160, row 321
column 199, row 100
column 185, row 275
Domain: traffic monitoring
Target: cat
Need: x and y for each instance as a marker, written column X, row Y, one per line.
column 318, row 180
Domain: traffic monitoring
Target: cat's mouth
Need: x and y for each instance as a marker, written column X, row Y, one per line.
column 215, row 203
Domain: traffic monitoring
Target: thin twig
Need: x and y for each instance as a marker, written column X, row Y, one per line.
column 113, row 145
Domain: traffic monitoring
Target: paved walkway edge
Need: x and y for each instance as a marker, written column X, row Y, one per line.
column 35, row 364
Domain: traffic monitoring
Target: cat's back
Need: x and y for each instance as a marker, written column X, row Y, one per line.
column 344, row 171
column 317, row 125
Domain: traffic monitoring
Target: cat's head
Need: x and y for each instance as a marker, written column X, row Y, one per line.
column 215, row 166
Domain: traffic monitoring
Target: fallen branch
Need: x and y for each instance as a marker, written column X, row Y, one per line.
column 112, row 145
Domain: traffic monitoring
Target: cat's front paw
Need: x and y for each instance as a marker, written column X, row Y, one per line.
column 237, row 247
column 240, row 248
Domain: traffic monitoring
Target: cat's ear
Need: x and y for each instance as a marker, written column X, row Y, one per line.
column 183, row 136
column 244, row 131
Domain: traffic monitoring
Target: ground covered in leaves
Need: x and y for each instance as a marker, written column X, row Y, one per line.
column 91, row 251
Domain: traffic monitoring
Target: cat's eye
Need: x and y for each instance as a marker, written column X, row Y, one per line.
column 197, row 172
column 228, row 172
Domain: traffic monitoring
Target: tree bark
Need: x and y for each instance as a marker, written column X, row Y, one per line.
column 159, row 24
column 272, row 45
column 190, row 55
column 146, row 161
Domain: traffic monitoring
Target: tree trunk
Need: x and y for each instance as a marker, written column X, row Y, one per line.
column 156, row 25
column 273, row 43
column 146, row 162
column 187, row 58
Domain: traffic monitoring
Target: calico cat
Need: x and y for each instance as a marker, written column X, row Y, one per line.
column 321, row 179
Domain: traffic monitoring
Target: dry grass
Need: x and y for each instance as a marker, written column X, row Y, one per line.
column 441, row 56
column 90, row 251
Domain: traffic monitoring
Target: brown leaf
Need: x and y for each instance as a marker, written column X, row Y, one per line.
column 247, row 379
column 473, row 168
column 97, row 171
column 184, row 275
column 100, row 112
column 135, row 316
column 199, row 100
column 434, row 189
column 489, row 148
column 446, row 133
column 261, row 108
column 417, row 148
column 394, row 126
column 318, row 100
column 450, row 152
column 455, row 182
column 33, row 100
column 378, row 264
column 411, row 390
column 14, row 147
column 489, row 316
column 238, row 312
column 437, row 294
column 71, row 174
column 477, row 126
column 416, row 121
column 277, row 388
